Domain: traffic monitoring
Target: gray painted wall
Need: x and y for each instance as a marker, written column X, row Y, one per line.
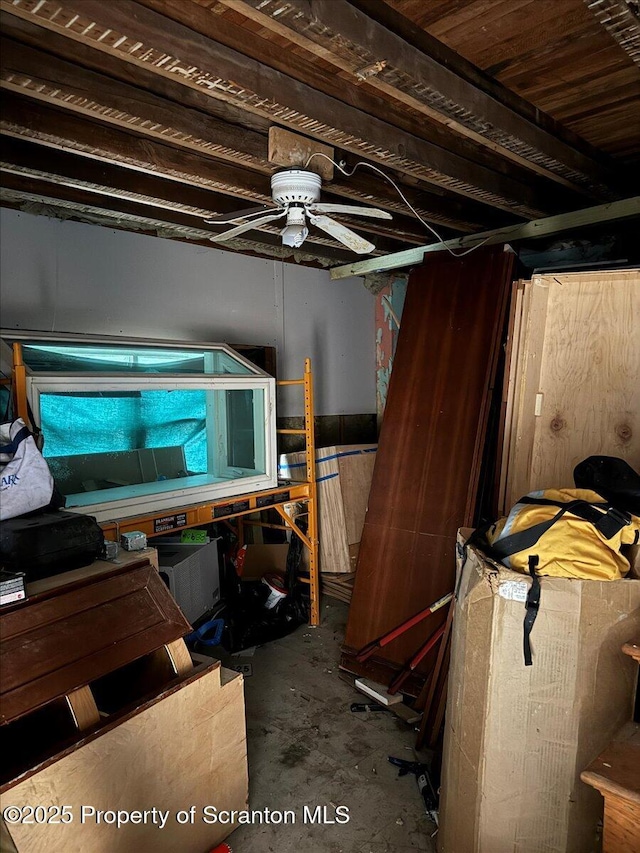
column 72, row 277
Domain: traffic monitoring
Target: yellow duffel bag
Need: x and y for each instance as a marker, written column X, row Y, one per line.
column 574, row 533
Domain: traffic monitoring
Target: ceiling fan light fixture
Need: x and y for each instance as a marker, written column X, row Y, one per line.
column 295, row 231
column 294, row 235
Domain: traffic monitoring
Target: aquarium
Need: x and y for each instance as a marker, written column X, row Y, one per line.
column 135, row 427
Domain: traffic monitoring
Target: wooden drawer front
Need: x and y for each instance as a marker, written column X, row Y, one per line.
column 53, row 646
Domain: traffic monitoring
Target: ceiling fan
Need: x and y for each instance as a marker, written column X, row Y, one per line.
column 296, row 193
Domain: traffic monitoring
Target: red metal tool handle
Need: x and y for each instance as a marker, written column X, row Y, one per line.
column 366, row 651
column 424, row 650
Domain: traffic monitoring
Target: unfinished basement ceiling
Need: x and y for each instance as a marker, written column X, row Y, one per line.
column 155, row 115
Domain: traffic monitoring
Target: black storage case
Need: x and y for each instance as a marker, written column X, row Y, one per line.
column 47, row 543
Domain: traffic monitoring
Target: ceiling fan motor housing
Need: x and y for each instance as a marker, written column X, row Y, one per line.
column 295, row 186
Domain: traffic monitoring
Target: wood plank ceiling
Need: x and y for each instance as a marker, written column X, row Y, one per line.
column 154, row 115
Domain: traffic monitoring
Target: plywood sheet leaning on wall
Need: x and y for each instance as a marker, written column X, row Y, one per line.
column 426, row 472
column 509, row 398
column 574, row 379
column 343, row 474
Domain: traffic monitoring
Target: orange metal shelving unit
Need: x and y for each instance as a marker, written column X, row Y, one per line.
column 195, row 514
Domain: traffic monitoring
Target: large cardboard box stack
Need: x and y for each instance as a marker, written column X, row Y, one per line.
column 343, row 474
column 517, row 737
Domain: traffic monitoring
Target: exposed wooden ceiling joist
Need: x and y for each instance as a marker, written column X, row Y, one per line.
column 72, row 132
column 316, row 68
column 155, row 114
column 26, row 29
column 84, row 202
column 162, row 197
column 68, row 85
column 143, row 37
column 58, row 209
column 621, row 18
column 36, row 74
column 552, row 53
column 21, row 120
column 71, row 169
column 412, row 20
column 440, row 208
column 385, row 62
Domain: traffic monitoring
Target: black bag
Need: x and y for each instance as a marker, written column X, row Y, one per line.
column 48, row 543
column 612, row 478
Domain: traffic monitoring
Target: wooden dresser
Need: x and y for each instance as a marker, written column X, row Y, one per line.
column 616, row 774
column 103, row 708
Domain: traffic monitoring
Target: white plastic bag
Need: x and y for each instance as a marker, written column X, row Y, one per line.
column 27, row 483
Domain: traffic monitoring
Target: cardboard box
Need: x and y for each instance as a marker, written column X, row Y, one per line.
column 516, row 737
column 344, row 475
column 264, row 558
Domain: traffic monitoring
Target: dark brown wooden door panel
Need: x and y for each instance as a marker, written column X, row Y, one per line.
column 73, row 636
column 417, row 558
column 427, row 465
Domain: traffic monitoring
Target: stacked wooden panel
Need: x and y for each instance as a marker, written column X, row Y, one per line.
column 572, row 385
column 338, row 586
column 344, row 478
column 429, row 454
column 59, row 641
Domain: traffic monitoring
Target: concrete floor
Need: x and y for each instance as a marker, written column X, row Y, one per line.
column 306, row 748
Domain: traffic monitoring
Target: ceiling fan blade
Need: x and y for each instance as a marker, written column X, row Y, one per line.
column 246, row 226
column 241, row 215
column 343, row 234
column 348, row 208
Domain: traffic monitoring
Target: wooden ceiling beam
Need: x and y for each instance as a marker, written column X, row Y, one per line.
column 70, row 132
column 141, row 36
column 407, row 115
column 58, row 130
column 49, row 187
column 467, row 95
column 389, row 14
column 22, row 29
column 45, row 206
column 615, row 211
column 333, row 31
column 328, row 76
column 36, row 74
column 94, row 151
column 69, row 85
column 618, row 18
column 452, row 212
column 140, row 214
column 72, row 171
column 27, row 31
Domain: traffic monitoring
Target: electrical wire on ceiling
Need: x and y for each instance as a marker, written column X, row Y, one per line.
column 296, row 198
column 348, row 173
